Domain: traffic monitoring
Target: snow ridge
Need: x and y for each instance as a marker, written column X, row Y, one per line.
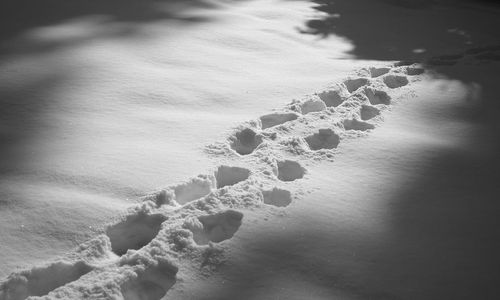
column 139, row 256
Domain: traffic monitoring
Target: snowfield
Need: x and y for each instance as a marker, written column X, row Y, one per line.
column 221, row 153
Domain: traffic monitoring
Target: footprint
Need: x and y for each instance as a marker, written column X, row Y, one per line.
column 353, row 84
column 357, row 125
column 245, row 141
column 395, row 81
column 193, row 189
column 152, row 283
column 377, row 97
column 412, row 71
column 214, row 228
column 40, row 281
column 312, row 105
column 275, row 119
column 323, row 139
column 277, row 197
column 333, row 98
column 376, row 72
column 289, row 170
column 368, row 112
column 135, row 232
column 226, row 175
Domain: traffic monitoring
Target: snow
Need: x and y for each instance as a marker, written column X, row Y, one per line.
column 236, row 159
column 98, row 111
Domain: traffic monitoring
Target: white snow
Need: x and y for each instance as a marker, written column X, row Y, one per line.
column 219, row 153
column 98, row 111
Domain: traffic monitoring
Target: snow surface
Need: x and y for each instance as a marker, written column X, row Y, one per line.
column 381, row 184
column 108, row 110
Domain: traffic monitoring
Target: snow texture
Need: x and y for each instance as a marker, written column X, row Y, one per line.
column 136, row 257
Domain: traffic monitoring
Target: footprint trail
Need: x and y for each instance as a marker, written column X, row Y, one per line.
column 261, row 165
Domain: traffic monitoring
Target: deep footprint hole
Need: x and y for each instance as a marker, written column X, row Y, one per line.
column 357, row 125
column 277, row 197
column 150, row 284
column 395, row 81
column 376, row 72
column 323, row 139
column 40, row 281
column 135, row 232
column 226, row 175
column 377, row 97
column 312, row 105
column 368, row 112
column 192, row 190
column 289, row 170
column 276, row 119
column 245, row 141
column 217, row 227
column 413, row 71
column 353, row 84
column 332, row 98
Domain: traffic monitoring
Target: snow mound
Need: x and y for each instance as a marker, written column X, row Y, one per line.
column 226, row 176
column 216, row 227
column 357, row 125
column 377, row 97
column 277, row 197
column 353, row 84
column 275, row 119
column 39, row 281
column 323, row 139
column 395, row 81
column 134, row 232
column 289, row 170
column 368, row 112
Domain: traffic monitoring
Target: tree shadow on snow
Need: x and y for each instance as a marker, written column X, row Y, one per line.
column 436, row 31
column 406, row 29
column 31, row 28
column 22, row 15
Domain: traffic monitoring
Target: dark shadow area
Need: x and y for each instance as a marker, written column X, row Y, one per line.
column 30, row 76
column 443, row 243
column 292, row 265
column 406, row 30
column 446, row 236
column 15, row 110
column 438, row 33
column 479, row 72
column 20, row 17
